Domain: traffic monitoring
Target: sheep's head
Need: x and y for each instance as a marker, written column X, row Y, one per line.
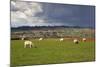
column 76, row 42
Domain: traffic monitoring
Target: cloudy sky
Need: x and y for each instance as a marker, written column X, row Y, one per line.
column 52, row 14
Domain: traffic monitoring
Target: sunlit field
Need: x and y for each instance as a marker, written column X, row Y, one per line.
column 51, row 51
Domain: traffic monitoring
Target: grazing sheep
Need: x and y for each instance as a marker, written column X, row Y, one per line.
column 28, row 43
column 84, row 39
column 22, row 38
column 61, row 39
column 40, row 39
column 76, row 41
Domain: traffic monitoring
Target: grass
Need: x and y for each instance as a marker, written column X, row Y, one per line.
column 51, row 51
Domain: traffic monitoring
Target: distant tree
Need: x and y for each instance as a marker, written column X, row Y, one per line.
column 41, row 33
column 55, row 34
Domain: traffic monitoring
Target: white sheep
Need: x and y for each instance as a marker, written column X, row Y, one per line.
column 22, row 38
column 76, row 41
column 61, row 39
column 40, row 39
column 28, row 43
column 84, row 39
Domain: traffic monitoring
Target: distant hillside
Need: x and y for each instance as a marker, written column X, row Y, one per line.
column 43, row 27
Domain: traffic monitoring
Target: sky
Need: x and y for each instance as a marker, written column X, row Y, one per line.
column 26, row 13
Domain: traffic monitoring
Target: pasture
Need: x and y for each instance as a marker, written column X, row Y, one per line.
column 51, row 51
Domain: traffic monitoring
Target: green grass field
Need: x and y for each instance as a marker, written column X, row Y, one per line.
column 51, row 51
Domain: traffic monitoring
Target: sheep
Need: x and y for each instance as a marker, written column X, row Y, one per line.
column 40, row 39
column 61, row 39
column 22, row 38
column 76, row 41
column 84, row 39
column 28, row 43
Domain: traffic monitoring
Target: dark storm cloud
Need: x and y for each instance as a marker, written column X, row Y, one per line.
column 69, row 14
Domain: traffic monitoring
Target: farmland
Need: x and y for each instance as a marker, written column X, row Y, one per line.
column 50, row 51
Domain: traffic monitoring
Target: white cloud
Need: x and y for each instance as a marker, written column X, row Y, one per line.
column 23, row 13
